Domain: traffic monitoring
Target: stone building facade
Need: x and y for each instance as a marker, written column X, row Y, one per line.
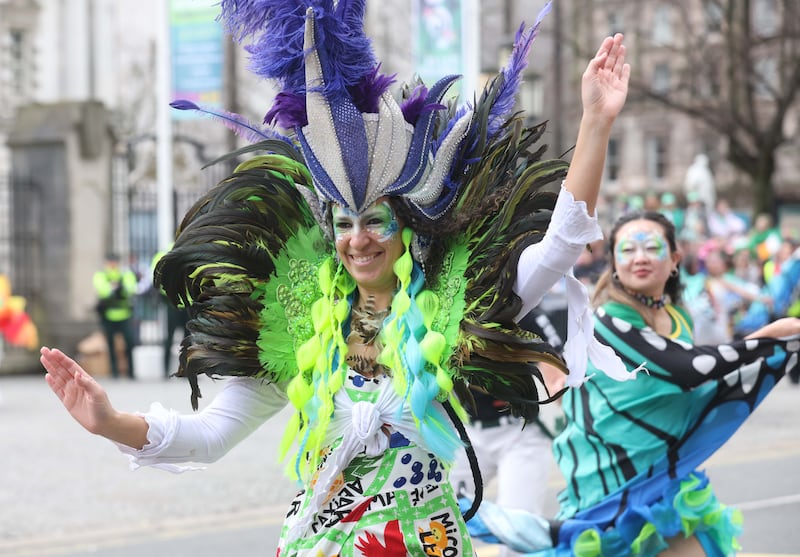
column 101, row 54
column 672, row 49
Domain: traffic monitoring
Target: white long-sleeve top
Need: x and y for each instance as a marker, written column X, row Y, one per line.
column 244, row 404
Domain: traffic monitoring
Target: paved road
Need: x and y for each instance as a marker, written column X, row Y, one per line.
column 66, row 493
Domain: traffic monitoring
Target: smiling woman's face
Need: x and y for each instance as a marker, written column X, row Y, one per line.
column 368, row 244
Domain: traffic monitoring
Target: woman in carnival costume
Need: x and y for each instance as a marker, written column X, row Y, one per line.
column 630, row 452
column 365, row 270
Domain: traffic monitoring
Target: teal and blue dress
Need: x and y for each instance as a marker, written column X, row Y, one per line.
column 631, row 450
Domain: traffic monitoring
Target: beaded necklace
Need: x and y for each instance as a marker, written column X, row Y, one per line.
column 365, row 326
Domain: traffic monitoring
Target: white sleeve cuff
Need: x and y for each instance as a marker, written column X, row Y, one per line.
column 543, row 264
column 236, row 412
column 572, row 222
column 160, row 452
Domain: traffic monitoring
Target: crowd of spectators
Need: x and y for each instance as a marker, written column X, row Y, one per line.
column 739, row 270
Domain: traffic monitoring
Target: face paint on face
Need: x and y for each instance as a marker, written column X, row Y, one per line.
column 640, row 244
column 379, row 221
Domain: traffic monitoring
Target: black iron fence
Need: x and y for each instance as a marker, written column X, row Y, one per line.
column 134, row 235
column 135, row 211
column 18, row 241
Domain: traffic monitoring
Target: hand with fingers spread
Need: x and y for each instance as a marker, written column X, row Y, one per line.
column 88, row 402
column 604, row 86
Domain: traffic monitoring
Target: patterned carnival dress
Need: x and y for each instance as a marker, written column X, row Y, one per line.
column 392, row 499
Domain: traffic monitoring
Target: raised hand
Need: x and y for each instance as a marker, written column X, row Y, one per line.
column 604, row 86
column 80, row 394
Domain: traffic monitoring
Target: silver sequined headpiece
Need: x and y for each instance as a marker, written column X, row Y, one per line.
column 358, row 143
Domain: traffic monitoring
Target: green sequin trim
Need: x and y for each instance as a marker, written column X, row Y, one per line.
column 450, row 288
column 287, row 298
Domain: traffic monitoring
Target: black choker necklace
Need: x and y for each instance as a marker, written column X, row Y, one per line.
column 656, row 302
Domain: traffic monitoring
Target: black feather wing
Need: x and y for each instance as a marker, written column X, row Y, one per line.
column 225, row 250
column 493, row 352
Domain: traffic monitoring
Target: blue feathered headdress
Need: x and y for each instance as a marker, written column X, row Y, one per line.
column 358, row 142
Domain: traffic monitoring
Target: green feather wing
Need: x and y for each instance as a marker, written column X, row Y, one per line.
column 229, row 246
column 286, row 300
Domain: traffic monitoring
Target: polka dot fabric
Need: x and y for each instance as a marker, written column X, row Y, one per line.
column 628, row 445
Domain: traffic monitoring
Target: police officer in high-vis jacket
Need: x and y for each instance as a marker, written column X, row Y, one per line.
column 115, row 288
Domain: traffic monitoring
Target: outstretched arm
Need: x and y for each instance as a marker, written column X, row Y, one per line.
column 604, row 88
column 780, row 328
column 88, row 402
column 162, row 437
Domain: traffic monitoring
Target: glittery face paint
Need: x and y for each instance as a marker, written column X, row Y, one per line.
column 640, row 244
column 379, row 221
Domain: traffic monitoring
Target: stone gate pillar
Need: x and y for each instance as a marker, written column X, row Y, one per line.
column 61, row 154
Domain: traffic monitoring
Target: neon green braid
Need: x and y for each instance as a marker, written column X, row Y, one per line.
column 311, row 390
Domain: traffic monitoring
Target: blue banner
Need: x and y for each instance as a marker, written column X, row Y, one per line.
column 439, row 39
column 197, row 53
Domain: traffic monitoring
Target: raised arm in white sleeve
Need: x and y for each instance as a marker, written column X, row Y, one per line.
column 238, row 410
column 604, row 88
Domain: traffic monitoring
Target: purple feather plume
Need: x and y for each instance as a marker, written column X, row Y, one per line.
column 288, row 111
column 369, row 90
column 277, row 27
column 344, row 49
column 512, row 73
column 416, row 105
column 234, row 122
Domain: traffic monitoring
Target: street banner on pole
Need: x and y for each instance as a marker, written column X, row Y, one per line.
column 197, row 54
column 446, row 42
